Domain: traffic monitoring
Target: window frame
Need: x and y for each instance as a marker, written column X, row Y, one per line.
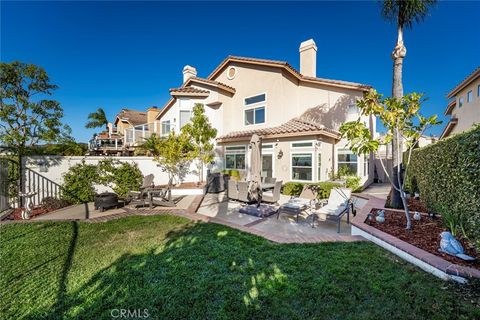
column 162, row 134
column 311, row 154
column 235, row 153
column 312, row 142
column 180, row 117
column 469, row 96
column 347, row 162
column 254, row 107
column 461, row 102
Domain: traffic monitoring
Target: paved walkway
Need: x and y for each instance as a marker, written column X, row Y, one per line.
column 377, row 190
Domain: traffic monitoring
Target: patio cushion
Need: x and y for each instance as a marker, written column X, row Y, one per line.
column 262, row 211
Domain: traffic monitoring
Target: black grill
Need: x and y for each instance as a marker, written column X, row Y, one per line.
column 105, row 200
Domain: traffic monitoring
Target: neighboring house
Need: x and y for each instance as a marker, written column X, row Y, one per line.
column 108, row 142
column 463, row 105
column 296, row 114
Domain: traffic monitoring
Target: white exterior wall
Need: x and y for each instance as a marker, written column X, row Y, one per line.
column 57, row 166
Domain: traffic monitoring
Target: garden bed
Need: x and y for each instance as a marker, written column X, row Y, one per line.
column 425, row 234
column 17, row 213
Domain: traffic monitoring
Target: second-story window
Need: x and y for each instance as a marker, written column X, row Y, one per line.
column 185, row 116
column 460, row 102
column 255, row 109
column 469, row 96
column 165, row 127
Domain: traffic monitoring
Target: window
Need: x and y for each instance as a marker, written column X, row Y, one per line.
column 255, row 116
column 165, row 127
column 478, row 91
column 255, row 113
column 347, row 162
column 255, row 99
column 235, row 157
column 185, row 116
column 469, row 96
column 232, row 72
column 319, row 167
column 302, row 168
column 308, row 144
column 460, row 102
column 267, row 147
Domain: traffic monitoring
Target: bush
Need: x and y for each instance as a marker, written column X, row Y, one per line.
column 51, row 203
column 295, row 188
column 78, row 183
column 126, row 177
column 447, row 174
column 234, row 174
column 353, row 182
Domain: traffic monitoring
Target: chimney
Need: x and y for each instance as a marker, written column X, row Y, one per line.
column 110, row 129
column 308, row 58
column 152, row 113
column 188, row 72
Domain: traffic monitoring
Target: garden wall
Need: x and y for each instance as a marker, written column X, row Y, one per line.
column 53, row 168
column 447, row 175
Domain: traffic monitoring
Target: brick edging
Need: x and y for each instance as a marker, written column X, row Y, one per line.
column 427, row 257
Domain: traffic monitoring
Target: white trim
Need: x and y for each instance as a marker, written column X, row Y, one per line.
column 303, row 141
column 252, row 104
column 272, row 153
column 235, row 152
column 291, row 166
column 234, row 75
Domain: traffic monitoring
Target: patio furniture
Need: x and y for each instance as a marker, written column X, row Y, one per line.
column 139, row 197
column 105, row 200
column 232, row 190
column 270, row 180
column 243, row 194
column 160, row 197
column 267, row 186
column 291, row 208
column 274, row 195
column 216, row 182
column 337, row 206
column 307, row 199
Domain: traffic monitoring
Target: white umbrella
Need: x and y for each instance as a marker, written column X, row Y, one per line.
column 254, row 188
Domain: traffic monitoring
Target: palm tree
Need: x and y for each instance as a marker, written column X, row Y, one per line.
column 97, row 119
column 404, row 13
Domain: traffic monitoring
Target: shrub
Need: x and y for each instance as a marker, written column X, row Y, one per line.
column 234, row 174
column 295, row 188
column 447, row 177
column 51, row 203
column 353, row 182
column 126, row 177
column 78, row 183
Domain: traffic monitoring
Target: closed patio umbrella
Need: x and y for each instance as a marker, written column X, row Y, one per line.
column 254, row 188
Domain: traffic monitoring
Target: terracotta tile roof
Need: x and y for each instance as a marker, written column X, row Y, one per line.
column 213, row 82
column 449, row 127
column 465, row 82
column 293, row 127
column 189, row 90
column 133, row 117
column 288, row 67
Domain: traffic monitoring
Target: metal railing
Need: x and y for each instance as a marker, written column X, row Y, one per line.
column 138, row 134
column 44, row 187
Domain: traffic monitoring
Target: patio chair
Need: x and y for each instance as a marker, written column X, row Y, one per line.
column 306, row 200
column 243, row 191
column 139, row 197
column 232, row 190
column 337, row 206
column 160, row 197
column 269, row 180
column 274, row 195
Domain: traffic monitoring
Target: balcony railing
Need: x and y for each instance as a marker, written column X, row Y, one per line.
column 137, row 135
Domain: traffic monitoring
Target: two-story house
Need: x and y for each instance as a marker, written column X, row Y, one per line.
column 296, row 113
column 463, row 105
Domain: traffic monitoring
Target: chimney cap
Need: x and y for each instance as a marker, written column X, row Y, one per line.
column 307, row 45
column 153, row 107
column 189, row 68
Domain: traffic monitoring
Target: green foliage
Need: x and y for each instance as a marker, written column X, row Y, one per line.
column 234, row 174
column 97, row 119
column 65, row 148
column 201, row 132
column 25, row 121
column 167, row 264
column 353, row 182
column 295, row 188
column 447, row 177
column 78, row 183
column 50, row 203
column 80, row 179
column 405, row 13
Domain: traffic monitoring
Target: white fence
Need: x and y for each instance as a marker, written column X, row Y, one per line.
column 54, row 167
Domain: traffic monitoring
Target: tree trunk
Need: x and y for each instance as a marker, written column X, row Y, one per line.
column 398, row 54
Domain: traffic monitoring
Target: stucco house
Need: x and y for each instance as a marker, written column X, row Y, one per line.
column 296, row 113
column 463, row 105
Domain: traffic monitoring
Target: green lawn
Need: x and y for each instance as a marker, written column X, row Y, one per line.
column 177, row 269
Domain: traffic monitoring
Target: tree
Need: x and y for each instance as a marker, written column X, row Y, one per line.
column 398, row 116
column 174, row 154
column 404, row 13
column 27, row 117
column 201, row 132
column 97, row 119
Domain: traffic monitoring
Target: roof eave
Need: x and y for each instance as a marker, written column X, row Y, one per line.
column 282, row 135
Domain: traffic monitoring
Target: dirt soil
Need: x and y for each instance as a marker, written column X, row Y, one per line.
column 425, row 234
column 17, row 213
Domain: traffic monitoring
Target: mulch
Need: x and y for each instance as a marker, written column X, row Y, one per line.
column 425, row 234
column 17, row 213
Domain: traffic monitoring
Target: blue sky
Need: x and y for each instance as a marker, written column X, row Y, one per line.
column 128, row 54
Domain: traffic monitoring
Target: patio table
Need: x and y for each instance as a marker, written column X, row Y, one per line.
column 292, row 208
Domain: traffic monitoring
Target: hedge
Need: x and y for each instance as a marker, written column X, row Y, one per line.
column 295, row 188
column 447, row 176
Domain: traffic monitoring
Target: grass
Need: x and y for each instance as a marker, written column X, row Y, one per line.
column 179, row 270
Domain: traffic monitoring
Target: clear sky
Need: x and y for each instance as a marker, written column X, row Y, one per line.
column 128, row 54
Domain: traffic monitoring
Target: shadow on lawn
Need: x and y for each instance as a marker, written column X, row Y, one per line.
column 188, row 276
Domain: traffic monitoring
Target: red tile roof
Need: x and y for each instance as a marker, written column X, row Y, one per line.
column 294, row 127
column 188, row 90
column 133, row 117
